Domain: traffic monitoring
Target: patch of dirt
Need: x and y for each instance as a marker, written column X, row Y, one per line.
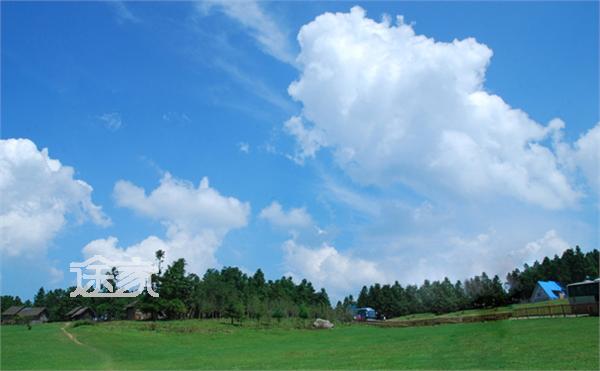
column 69, row 335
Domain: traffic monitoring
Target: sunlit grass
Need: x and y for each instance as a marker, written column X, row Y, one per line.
column 558, row 343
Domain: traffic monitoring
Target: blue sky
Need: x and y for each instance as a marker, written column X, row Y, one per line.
column 373, row 149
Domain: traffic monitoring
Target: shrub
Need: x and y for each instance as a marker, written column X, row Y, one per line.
column 85, row 322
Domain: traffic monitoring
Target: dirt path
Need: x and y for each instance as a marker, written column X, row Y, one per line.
column 69, row 335
column 106, row 362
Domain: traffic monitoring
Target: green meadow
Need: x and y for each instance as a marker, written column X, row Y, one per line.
column 478, row 312
column 553, row 343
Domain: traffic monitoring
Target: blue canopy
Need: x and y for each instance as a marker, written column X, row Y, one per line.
column 551, row 288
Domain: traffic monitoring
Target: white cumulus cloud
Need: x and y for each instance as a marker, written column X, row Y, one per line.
column 179, row 204
column 196, row 220
column 549, row 245
column 397, row 107
column 198, row 250
column 293, row 218
column 310, row 140
column 416, row 259
column 38, row 194
column 327, row 267
column 584, row 155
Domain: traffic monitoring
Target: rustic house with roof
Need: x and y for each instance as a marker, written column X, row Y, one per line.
column 135, row 314
column 9, row 315
column 28, row 314
column 81, row 313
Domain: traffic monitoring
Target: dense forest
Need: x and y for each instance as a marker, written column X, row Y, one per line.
column 572, row 266
column 230, row 293
column 226, row 293
column 477, row 292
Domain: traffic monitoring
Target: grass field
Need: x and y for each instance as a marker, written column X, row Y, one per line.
column 557, row 343
column 477, row 312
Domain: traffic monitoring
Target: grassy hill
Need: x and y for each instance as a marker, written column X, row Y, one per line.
column 477, row 312
column 558, row 343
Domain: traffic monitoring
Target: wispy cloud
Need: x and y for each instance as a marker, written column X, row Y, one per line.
column 178, row 118
column 112, row 121
column 256, row 86
column 269, row 33
column 349, row 197
column 244, row 147
column 122, row 12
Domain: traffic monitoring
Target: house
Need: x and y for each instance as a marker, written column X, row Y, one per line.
column 70, row 313
column 134, row 314
column 81, row 313
column 547, row 290
column 8, row 315
column 131, row 311
column 34, row 314
column 28, row 314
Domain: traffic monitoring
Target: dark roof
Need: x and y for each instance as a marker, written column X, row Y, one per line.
column 70, row 313
column 82, row 310
column 13, row 310
column 131, row 305
column 32, row 312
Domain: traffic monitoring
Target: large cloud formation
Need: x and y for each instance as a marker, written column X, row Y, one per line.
column 342, row 272
column 325, row 266
column 397, row 107
column 196, row 218
column 38, row 194
column 584, row 155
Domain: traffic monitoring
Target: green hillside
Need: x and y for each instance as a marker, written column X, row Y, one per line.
column 559, row 343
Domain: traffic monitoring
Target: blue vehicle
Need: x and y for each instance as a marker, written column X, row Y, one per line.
column 365, row 314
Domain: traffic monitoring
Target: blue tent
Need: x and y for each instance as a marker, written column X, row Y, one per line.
column 547, row 290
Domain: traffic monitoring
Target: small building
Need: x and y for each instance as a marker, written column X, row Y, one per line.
column 584, row 292
column 130, row 311
column 34, row 314
column 70, row 313
column 135, row 314
column 81, row 313
column 583, row 297
column 8, row 316
column 26, row 314
column 547, row 290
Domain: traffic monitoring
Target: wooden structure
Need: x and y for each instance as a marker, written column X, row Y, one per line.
column 81, row 313
column 18, row 313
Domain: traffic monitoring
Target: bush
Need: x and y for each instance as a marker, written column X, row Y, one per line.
column 149, row 327
column 85, row 322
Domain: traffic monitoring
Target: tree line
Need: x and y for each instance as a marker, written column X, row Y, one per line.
column 230, row 293
column 572, row 266
column 477, row 292
column 225, row 293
